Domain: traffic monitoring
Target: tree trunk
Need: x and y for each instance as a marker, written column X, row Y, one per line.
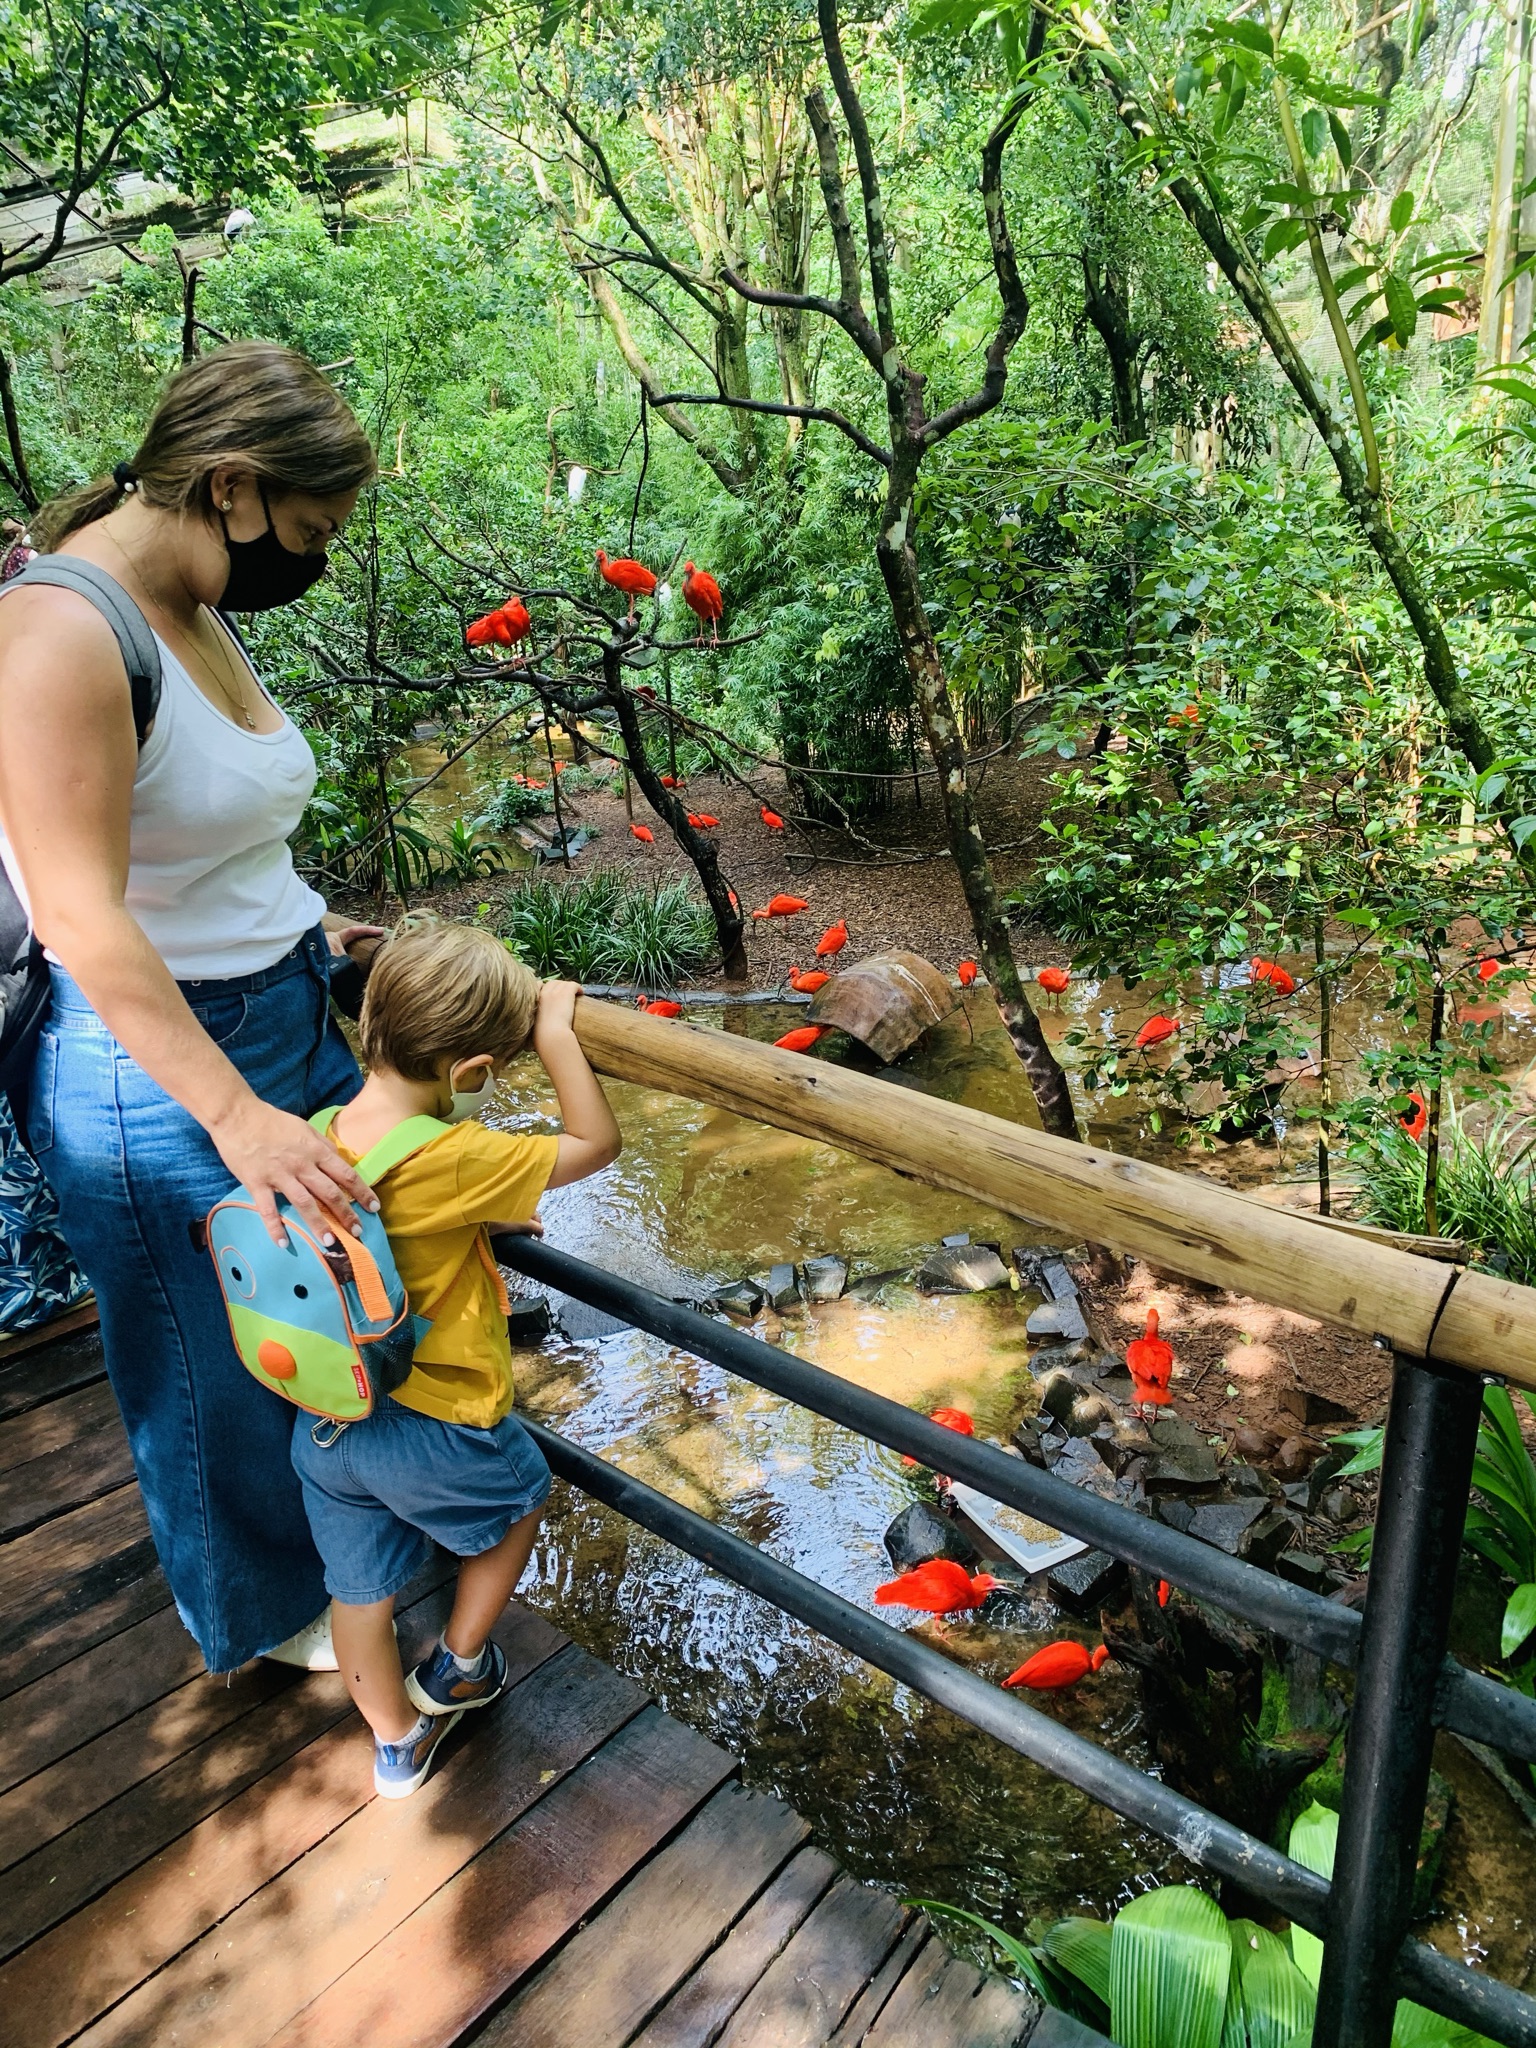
column 21, row 475
column 1106, row 303
column 898, row 565
column 1492, row 328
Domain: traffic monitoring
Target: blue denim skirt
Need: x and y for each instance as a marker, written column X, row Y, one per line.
column 131, row 1169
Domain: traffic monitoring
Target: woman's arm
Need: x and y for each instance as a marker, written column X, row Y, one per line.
column 591, row 1139
column 67, row 758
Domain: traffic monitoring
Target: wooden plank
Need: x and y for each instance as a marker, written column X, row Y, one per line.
column 696, row 2015
column 70, row 1705
column 503, row 1915
column 872, row 2000
column 76, row 1581
column 86, row 1965
column 1179, row 1221
column 244, row 1980
column 59, row 1422
column 48, row 1370
column 801, row 1999
column 942, row 1998
column 59, row 1480
column 620, row 1968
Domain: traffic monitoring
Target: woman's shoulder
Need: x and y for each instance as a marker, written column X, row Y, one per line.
column 59, row 633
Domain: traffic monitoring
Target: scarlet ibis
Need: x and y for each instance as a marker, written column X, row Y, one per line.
column 734, row 900
column 939, row 1587
column 701, row 594
column 1150, row 1362
column 770, row 818
column 1487, row 969
column 967, row 971
column 644, row 834
column 627, row 575
column 949, row 1418
column 670, row 782
column 655, row 1007
column 1274, row 974
column 783, row 906
column 1057, row 1665
column 1415, row 1121
column 832, row 940
column 503, row 627
column 1055, row 981
column 802, row 1038
column 1154, row 1031
column 807, row 984
column 701, row 821
column 1163, row 1590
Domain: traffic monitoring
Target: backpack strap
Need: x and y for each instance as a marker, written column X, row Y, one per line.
column 395, row 1146
column 136, row 642
column 366, row 1277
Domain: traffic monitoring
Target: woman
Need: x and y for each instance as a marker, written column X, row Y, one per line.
column 189, row 1034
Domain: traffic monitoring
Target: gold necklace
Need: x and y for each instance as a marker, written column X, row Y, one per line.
column 236, row 698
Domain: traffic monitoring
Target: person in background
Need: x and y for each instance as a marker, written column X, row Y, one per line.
column 443, row 1458
column 189, row 1034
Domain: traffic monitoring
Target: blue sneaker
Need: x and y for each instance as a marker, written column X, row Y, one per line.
column 400, row 1768
column 438, row 1686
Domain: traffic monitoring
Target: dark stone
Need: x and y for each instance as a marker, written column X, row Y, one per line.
column 738, row 1298
column 1058, row 1391
column 1182, row 1456
column 1178, row 1514
column 825, row 1278
column 1258, row 1446
column 584, row 1324
column 1337, row 1504
column 1302, row 1569
column 1056, row 1281
column 1263, row 1540
column 576, row 837
column 1086, row 1582
column 528, row 1320
column 1080, row 1465
column 960, row 1237
column 1298, row 1493
column 1053, row 1443
column 1030, row 1260
column 1293, row 1458
column 1056, row 1357
column 869, row 1284
column 1090, row 1415
column 1323, row 1473
column 920, row 1533
column 781, row 1289
column 1313, row 1410
column 1027, row 1438
column 1224, row 1523
column 962, row 1269
column 1059, row 2030
column 1060, row 1319
column 1118, row 1386
column 1243, row 1479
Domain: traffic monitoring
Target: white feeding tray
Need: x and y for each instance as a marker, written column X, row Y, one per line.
column 1033, row 1546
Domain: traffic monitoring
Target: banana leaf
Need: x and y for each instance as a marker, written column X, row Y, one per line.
column 1170, row 1962
column 1082, row 1946
column 1269, row 2001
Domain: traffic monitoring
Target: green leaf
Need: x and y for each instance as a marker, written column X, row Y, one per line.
column 1018, row 1955
column 1314, row 1842
column 1314, row 131
column 1081, row 111
column 1082, row 1946
column 1402, row 212
column 1284, row 234
column 1519, row 1619
column 1521, row 830
column 1248, row 33
column 1232, row 91
column 1402, row 306
column 1170, row 1960
column 1341, row 141
column 1275, row 2000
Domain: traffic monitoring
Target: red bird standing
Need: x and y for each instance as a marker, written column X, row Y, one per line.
column 1154, row 1031
column 770, row 818
column 671, row 782
column 1163, row 1590
column 503, row 627
column 644, row 834
column 1150, row 1361
column 1274, row 974
column 783, row 906
column 701, row 821
column 1487, row 969
column 1415, row 1121
column 1055, row 981
column 832, row 940
column 1057, row 1665
column 802, row 1038
column 701, row 594
column 967, row 971
column 627, row 575
column 939, row 1587
column 656, row 1007
column 807, row 984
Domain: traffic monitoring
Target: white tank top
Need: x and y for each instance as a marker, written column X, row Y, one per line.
column 210, row 875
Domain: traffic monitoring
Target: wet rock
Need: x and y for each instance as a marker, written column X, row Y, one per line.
column 920, row 1533
column 1244, row 1479
column 1302, row 1569
column 1178, row 1514
column 962, row 1269
column 1056, row 1358
column 781, row 1290
column 1118, row 1386
column 960, row 1237
column 1056, row 1281
column 1053, row 1447
column 1080, row 1465
column 1029, row 1259
column 1027, row 1441
column 1293, row 1458
column 1123, row 1441
column 868, row 1285
column 1337, row 1504
column 1182, row 1455
column 1258, row 1446
column 738, row 1298
column 1091, row 1415
column 1058, row 1392
column 529, row 1320
column 1085, row 1583
column 1224, row 1523
column 1062, row 1319
column 825, row 1278
column 1263, row 1541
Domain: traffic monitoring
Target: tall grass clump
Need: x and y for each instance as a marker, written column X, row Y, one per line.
column 1485, row 1189
column 606, row 928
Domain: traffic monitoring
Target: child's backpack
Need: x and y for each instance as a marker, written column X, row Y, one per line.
column 326, row 1326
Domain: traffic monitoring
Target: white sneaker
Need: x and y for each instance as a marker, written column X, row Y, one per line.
column 311, row 1649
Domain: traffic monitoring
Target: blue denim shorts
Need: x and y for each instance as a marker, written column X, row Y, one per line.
column 390, row 1483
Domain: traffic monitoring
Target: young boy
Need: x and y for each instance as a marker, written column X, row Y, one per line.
column 447, row 1007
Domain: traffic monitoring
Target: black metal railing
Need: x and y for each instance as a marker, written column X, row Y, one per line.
column 1405, row 1684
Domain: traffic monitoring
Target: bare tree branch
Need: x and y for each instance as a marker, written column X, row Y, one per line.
column 861, row 441
column 877, row 247
column 849, row 311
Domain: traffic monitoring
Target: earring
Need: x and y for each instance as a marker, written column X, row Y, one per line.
column 228, row 505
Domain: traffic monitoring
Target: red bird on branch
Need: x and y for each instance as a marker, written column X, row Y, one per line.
column 783, row 906
column 1487, row 969
column 628, row 575
column 1055, row 981
column 644, row 834
column 770, row 818
column 672, row 782
column 802, row 1038
column 967, row 971
column 654, row 1006
column 832, row 940
column 1154, row 1031
column 1149, row 1359
column 503, row 627
column 1415, row 1121
column 701, row 821
column 807, row 984
column 701, row 594
column 939, row 1587
column 1057, row 1665
column 1274, row 974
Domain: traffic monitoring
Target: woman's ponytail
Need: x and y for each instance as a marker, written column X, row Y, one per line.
column 71, row 510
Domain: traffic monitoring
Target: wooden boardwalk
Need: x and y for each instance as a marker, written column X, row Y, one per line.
column 185, row 1861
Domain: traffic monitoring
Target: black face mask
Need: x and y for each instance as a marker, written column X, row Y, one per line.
column 263, row 573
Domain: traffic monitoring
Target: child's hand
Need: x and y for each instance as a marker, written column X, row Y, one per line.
column 557, row 1008
column 531, row 1226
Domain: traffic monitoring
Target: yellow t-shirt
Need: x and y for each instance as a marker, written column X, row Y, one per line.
column 433, row 1206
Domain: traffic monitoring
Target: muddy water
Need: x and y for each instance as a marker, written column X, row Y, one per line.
column 898, row 1789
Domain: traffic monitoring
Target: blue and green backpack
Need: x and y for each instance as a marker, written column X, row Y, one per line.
column 328, row 1327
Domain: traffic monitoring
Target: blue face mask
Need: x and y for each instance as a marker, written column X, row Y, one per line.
column 468, row 1103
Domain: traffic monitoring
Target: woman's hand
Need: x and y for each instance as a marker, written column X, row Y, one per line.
column 275, row 1154
column 342, row 939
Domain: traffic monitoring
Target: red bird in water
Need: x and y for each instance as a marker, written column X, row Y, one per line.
column 1154, row 1031
column 503, row 627
column 807, row 984
column 701, row 594
column 783, row 906
column 770, row 818
column 949, row 1418
column 803, row 1038
column 967, row 971
column 1150, row 1360
column 628, row 575
column 644, row 834
column 1055, row 981
column 832, row 940
column 1057, row 1665
column 655, row 1007
column 1487, row 969
column 1274, row 974
column 939, row 1587
column 701, row 821
column 1415, row 1121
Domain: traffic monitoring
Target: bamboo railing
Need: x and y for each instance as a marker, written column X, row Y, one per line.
column 1180, row 1221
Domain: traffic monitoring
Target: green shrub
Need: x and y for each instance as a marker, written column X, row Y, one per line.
column 509, row 804
column 607, row 928
column 1485, row 1190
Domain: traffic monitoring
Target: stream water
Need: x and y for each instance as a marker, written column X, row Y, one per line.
column 898, row 1789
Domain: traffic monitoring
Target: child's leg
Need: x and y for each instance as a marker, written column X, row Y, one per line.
column 486, row 1584
column 369, row 1660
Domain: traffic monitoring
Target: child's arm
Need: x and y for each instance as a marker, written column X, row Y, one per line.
column 591, row 1138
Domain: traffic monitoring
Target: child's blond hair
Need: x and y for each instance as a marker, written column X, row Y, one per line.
column 440, row 991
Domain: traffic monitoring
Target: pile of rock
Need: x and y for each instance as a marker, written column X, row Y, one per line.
column 783, row 1287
